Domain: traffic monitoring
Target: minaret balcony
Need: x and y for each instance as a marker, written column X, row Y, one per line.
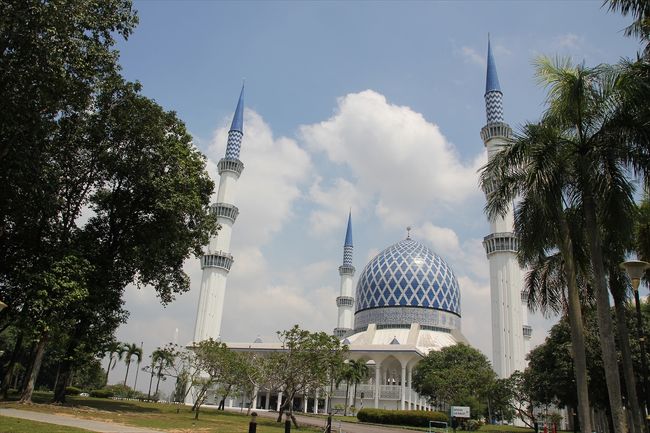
column 499, row 242
column 524, row 297
column 528, row 332
column 494, row 130
column 342, row 332
column 346, row 270
column 230, row 164
column 220, row 259
column 224, row 210
column 345, row 301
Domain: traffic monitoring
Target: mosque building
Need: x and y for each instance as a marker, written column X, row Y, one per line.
column 407, row 300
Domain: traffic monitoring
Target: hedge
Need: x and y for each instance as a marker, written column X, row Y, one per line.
column 101, row 393
column 72, row 390
column 415, row 418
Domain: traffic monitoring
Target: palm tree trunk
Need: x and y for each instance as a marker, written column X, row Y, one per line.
column 26, row 396
column 128, row 365
column 347, row 397
column 110, row 361
column 150, row 383
column 605, row 325
column 618, row 292
column 577, row 327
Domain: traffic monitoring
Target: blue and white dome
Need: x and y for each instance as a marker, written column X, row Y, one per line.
column 409, row 283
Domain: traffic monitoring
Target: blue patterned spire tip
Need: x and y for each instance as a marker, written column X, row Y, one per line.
column 492, row 81
column 238, row 118
column 348, row 234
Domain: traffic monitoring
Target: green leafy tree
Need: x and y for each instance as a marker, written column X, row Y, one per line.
column 306, row 363
column 455, row 375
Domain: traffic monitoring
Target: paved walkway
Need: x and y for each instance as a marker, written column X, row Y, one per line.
column 343, row 427
column 94, row 426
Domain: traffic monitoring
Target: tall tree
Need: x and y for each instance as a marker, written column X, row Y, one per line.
column 131, row 350
column 115, row 351
column 534, row 169
column 358, row 372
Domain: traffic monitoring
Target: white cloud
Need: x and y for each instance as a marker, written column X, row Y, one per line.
column 569, row 41
column 274, row 170
column 470, row 55
column 395, row 156
column 333, row 204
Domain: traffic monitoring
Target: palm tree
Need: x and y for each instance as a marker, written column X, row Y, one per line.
column 115, row 350
column 358, row 372
column 595, row 124
column 533, row 168
column 160, row 358
column 131, row 350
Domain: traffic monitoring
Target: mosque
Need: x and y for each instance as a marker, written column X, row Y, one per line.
column 407, row 298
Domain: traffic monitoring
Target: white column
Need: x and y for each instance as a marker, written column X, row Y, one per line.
column 403, row 402
column 279, row 401
column 410, row 388
column 267, row 406
column 327, row 403
column 316, row 402
column 254, row 398
column 377, row 382
column 304, row 402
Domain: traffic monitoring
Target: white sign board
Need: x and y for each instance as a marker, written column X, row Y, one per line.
column 460, row 411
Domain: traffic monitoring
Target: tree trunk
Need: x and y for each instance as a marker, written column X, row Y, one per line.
column 150, row 383
column 577, row 327
column 110, row 362
column 347, row 397
column 605, row 325
column 6, row 380
column 128, row 365
column 32, row 373
column 617, row 288
column 66, row 369
column 158, row 379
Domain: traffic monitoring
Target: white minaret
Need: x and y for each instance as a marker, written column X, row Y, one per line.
column 345, row 302
column 216, row 261
column 508, row 303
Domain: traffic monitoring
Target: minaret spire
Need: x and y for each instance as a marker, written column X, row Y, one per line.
column 217, row 260
column 493, row 94
column 510, row 334
column 345, row 302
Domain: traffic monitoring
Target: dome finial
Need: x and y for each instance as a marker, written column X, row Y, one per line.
column 408, row 232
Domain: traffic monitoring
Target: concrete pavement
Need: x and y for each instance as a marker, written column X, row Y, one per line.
column 91, row 425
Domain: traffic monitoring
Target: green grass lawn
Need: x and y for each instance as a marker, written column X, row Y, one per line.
column 159, row 416
column 15, row 425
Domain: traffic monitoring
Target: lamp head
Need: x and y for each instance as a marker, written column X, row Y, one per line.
column 635, row 270
column 2, row 305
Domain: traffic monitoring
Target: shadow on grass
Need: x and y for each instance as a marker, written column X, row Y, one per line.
column 103, row 404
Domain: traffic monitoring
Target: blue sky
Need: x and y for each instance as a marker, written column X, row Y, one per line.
column 374, row 106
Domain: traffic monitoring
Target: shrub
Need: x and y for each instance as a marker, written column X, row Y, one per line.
column 72, row 390
column 101, row 393
column 415, row 418
column 473, row 424
column 119, row 390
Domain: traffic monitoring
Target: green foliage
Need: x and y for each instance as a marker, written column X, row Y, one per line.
column 455, row 375
column 72, row 390
column 102, row 393
column 415, row 418
column 120, row 390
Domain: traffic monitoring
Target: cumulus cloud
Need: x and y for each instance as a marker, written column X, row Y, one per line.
column 395, row 156
column 470, row 55
column 333, row 204
column 274, row 169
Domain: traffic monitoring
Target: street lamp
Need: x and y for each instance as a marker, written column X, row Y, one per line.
column 2, row 305
column 635, row 270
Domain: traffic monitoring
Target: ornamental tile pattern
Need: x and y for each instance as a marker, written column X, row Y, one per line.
column 494, row 106
column 347, row 255
column 234, row 144
column 408, row 274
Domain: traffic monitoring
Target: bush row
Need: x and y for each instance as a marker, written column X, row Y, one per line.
column 101, row 393
column 416, row 418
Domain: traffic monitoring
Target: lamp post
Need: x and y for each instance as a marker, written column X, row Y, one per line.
column 635, row 270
